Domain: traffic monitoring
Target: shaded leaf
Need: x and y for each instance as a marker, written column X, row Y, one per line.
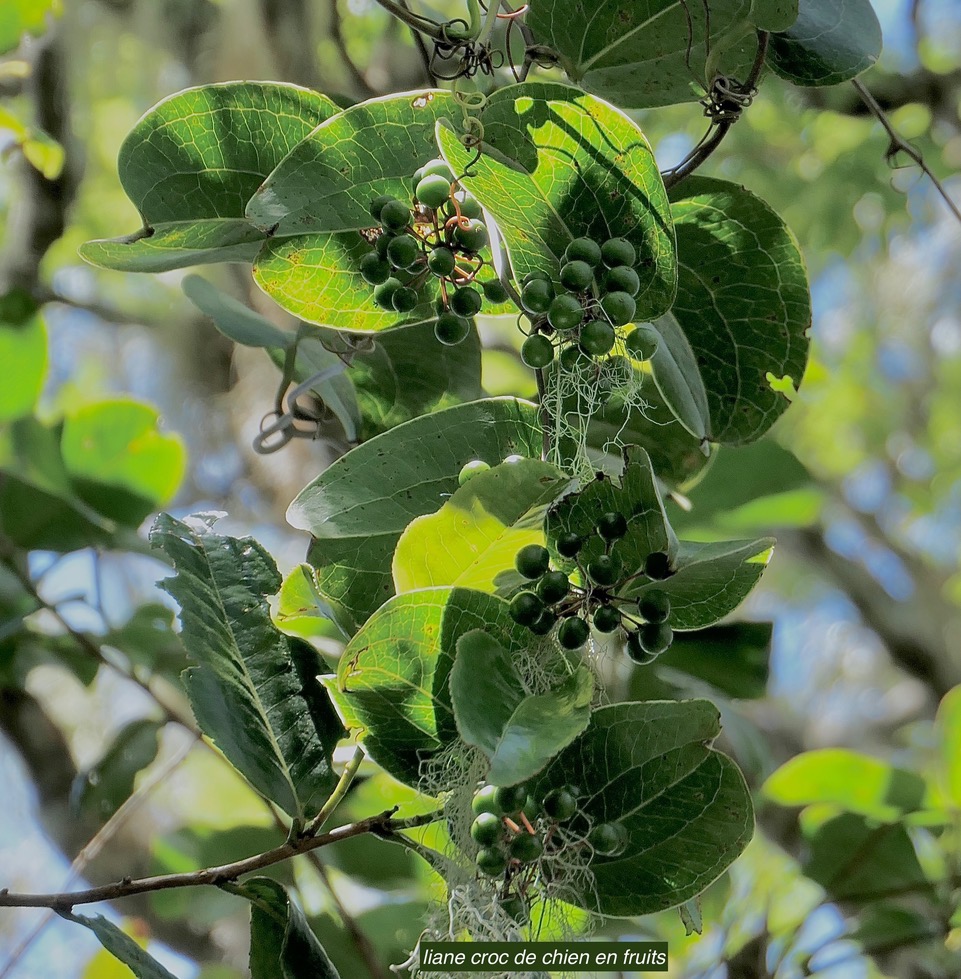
column 234, row 319
column 120, row 945
column 300, row 610
column 23, row 353
column 678, row 379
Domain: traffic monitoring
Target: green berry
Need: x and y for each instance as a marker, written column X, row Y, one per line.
column 432, row 190
column 569, row 544
column 525, row 608
column 619, row 307
column 374, row 269
column 611, row 526
column 377, row 205
column 511, row 798
column 515, row 907
column 553, row 587
column 537, row 351
column 403, row 251
column 470, row 470
column 494, row 291
column 384, row 293
column 484, row 801
column 584, row 250
column 565, row 313
column 383, row 243
column 417, row 177
column 537, row 296
column 466, row 301
column 658, row 566
column 532, row 561
column 535, row 275
column 655, row 605
column 531, row 809
column 574, row 359
column 606, row 618
column 543, row 624
column 473, row 235
column 560, row 804
column 451, row 329
column 526, row 847
column 395, row 215
column 603, row 570
column 469, row 206
column 655, row 637
column 622, row 279
column 439, row 168
column 597, row 338
column 487, row 829
column 642, row 343
column 618, row 251
column 608, row 838
column 577, row 276
column 491, row 862
column 573, row 633
column 441, row 261
column 637, row 652
column 405, row 299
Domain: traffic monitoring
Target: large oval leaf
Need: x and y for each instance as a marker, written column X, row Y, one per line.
column 742, row 303
column 191, row 164
column 688, row 814
column 328, row 181
column 832, row 41
column 556, row 164
column 358, row 508
column 655, row 52
column 391, row 685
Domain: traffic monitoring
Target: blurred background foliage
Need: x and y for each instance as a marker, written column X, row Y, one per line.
column 119, row 398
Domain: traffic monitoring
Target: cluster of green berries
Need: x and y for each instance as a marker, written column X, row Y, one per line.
column 599, row 286
column 552, row 597
column 513, row 828
column 438, row 237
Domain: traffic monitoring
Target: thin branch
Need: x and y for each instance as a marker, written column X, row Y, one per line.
column 340, row 790
column 337, row 36
column 416, row 23
column 899, row 144
column 383, row 825
column 421, row 46
column 108, row 314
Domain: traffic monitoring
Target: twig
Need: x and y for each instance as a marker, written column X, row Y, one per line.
column 425, row 55
column 108, row 314
column 340, row 790
column 383, row 825
column 337, row 36
column 416, row 23
column 899, row 144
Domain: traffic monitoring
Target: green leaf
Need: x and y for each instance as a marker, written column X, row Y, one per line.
column 358, row 507
column 273, row 724
column 328, row 181
column 686, row 809
column 831, row 42
column 120, row 945
column 678, row 378
column 282, row 945
column 949, row 730
column 193, row 162
column 391, row 686
column 148, row 639
column 742, row 303
column 300, row 610
column 23, row 353
column 710, row 580
column 520, row 734
column 473, row 538
column 851, row 781
column 103, row 788
column 652, row 52
column 19, row 17
column 557, row 164
column 118, row 460
column 232, row 318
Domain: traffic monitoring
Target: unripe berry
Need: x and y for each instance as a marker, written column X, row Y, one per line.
column 618, row 251
column 451, row 329
column 573, row 633
column 532, row 561
column 537, row 351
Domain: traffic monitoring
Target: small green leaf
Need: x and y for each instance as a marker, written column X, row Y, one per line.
column 851, row 781
column 371, row 149
column 685, row 807
column 358, row 507
column 23, row 353
column 273, row 724
column 678, row 378
column 300, row 610
column 949, row 729
column 19, row 17
column 557, row 164
column 831, row 42
column 282, row 945
column 520, row 734
column 120, row 945
column 473, row 539
column 235, row 320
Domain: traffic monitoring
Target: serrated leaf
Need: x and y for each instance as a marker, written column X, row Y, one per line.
column 556, row 164
column 519, row 733
column 357, row 509
column 120, row 945
column 831, row 41
column 191, row 164
column 391, row 686
column 655, row 52
column 685, row 807
column 273, row 724
column 742, row 303
column 23, row 353
column 282, row 945
column 327, row 182
column 473, row 538
column 710, row 580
